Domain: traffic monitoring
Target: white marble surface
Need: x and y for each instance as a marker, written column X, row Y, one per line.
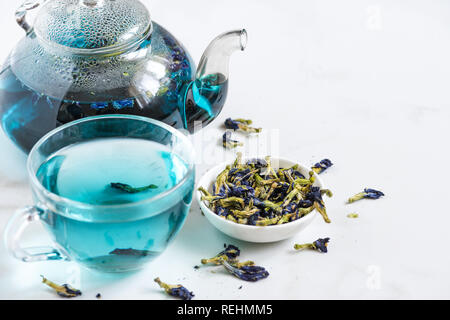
column 364, row 83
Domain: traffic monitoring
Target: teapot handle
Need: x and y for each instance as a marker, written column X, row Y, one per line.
column 21, row 13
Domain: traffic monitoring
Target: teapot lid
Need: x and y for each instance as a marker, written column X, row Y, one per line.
column 93, row 24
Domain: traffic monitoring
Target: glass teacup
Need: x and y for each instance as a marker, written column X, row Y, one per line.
column 112, row 190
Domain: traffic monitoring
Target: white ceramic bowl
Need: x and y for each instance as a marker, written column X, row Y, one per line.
column 254, row 233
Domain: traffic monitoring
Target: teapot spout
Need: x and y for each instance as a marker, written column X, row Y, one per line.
column 206, row 95
column 216, row 58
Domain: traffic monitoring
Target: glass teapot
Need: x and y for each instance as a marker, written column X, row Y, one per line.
column 90, row 57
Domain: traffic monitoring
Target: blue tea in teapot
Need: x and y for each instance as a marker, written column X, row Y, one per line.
column 84, row 58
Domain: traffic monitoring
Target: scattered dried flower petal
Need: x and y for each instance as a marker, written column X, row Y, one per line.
column 366, row 194
column 315, row 195
column 319, row 245
column 229, row 253
column 247, row 273
column 176, row 290
column 243, row 270
column 229, row 143
column 322, row 166
column 64, row 290
column 240, row 124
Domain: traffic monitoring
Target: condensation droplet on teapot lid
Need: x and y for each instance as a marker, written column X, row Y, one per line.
column 93, row 24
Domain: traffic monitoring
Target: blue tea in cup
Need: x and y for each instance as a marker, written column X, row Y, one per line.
column 112, row 190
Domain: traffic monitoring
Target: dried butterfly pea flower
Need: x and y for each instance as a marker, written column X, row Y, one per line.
column 209, row 197
column 286, row 218
column 129, row 189
column 298, row 188
column 242, row 220
column 322, row 166
column 267, row 221
column 229, row 253
column 244, row 213
column 229, row 143
column 316, row 197
column 279, row 192
column 303, row 182
column 269, row 170
column 267, row 204
column 176, row 290
column 232, row 202
column 243, row 270
column 290, row 208
column 246, row 121
column 260, row 181
column 319, row 206
column 327, row 192
column 247, row 273
column 297, row 174
column 243, row 264
column 256, row 163
column 289, row 175
column 305, row 203
column 270, row 191
column 221, row 211
column 240, row 124
column 242, row 176
column 231, row 124
column 267, row 213
column 221, row 180
column 368, row 194
column 301, row 212
column 131, row 252
column 241, row 191
column 222, row 192
column 287, row 200
column 253, row 219
column 237, row 173
column 64, row 290
column 319, row 245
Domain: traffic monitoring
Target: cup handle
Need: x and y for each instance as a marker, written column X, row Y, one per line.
column 13, row 233
column 22, row 11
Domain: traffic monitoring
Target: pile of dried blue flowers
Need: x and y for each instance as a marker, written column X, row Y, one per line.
column 246, row 271
column 254, row 193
